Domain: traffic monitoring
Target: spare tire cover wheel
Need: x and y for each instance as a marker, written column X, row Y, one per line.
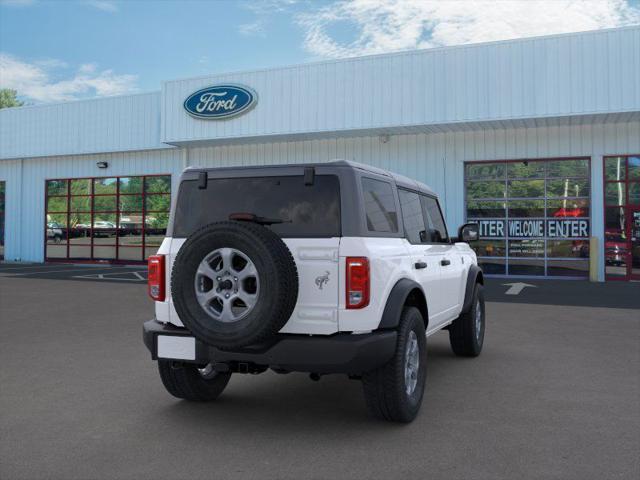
column 234, row 284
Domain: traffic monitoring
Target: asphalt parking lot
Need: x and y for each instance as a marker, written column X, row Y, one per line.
column 555, row 394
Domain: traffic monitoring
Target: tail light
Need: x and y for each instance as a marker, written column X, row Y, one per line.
column 357, row 282
column 155, row 282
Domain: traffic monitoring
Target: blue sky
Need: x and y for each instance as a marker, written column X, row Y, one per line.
column 63, row 50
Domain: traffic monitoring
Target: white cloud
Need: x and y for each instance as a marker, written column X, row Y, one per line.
column 389, row 25
column 252, row 29
column 104, row 5
column 36, row 81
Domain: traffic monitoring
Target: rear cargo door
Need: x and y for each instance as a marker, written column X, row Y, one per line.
column 316, row 311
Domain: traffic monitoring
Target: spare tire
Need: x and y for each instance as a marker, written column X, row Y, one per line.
column 234, row 284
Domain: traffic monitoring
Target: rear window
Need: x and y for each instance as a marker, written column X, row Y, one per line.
column 306, row 210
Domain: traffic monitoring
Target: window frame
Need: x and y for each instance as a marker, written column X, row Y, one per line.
column 404, row 227
column 399, row 232
column 91, row 258
column 444, row 222
column 545, row 198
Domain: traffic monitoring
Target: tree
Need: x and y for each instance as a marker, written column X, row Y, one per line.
column 8, row 98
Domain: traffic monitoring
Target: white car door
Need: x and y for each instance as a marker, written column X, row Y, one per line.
column 426, row 265
column 449, row 259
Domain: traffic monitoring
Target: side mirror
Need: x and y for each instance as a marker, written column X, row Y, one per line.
column 469, row 232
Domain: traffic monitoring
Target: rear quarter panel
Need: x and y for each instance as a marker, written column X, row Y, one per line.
column 389, row 261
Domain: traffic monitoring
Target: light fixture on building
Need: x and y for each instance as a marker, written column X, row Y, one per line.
column 102, row 164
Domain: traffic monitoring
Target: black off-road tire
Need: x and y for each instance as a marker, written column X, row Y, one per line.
column 385, row 390
column 465, row 336
column 277, row 296
column 185, row 381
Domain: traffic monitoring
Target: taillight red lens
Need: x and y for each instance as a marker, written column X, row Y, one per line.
column 155, row 282
column 357, row 282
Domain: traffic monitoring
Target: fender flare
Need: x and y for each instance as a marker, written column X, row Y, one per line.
column 474, row 276
column 397, row 300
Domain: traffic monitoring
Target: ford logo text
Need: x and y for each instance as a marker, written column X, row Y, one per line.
column 220, row 101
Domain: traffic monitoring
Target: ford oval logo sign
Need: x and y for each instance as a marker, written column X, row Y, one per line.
column 220, row 101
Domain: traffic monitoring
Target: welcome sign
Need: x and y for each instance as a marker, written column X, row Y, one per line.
column 534, row 228
column 220, row 101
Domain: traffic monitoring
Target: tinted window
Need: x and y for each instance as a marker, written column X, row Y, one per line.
column 412, row 216
column 306, row 210
column 435, row 222
column 380, row 206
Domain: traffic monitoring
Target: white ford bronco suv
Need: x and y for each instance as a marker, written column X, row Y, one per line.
column 322, row 268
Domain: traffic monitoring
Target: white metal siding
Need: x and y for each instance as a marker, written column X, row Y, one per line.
column 91, row 126
column 547, row 77
column 25, row 195
column 436, row 159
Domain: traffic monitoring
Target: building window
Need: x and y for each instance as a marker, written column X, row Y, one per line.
column 2, row 210
column 534, row 216
column 106, row 219
column 622, row 217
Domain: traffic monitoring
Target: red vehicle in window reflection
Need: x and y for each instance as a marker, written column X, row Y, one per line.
column 570, row 212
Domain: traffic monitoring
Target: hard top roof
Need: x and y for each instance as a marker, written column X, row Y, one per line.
column 400, row 180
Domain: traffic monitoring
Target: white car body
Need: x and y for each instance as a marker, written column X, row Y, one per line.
column 322, row 311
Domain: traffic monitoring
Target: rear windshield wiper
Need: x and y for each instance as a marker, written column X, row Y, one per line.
column 252, row 217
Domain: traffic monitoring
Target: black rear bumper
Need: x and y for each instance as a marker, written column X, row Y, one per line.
column 338, row 353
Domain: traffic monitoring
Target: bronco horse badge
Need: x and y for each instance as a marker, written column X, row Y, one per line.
column 322, row 280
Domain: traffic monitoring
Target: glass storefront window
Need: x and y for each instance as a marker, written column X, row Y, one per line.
column 525, row 188
column 81, row 186
column 622, row 217
column 568, row 168
column 526, row 169
column 568, row 248
column 634, row 193
column 633, row 168
column 489, row 248
column 118, row 218
column 57, row 204
column 526, row 208
column 487, row 209
column 486, row 171
column 534, row 216
column 130, row 184
column 615, row 168
column 104, row 203
column 574, row 207
column 80, row 204
column 614, row 193
column 56, row 187
column 526, row 248
column 568, row 188
column 102, row 186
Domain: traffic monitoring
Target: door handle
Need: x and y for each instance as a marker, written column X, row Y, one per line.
column 419, row 265
column 445, row 262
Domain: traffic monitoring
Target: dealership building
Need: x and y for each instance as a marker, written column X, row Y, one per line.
column 536, row 139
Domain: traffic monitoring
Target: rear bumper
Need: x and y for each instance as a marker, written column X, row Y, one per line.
column 339, row 353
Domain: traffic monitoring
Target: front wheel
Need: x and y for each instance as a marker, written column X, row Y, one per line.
column 394, row 391
column 466, row 333
column 190, row 382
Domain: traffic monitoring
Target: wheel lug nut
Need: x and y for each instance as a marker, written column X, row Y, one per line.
column 235, row 279
column 226, row 295
column 218, row 278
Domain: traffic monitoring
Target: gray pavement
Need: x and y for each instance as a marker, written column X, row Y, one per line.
column 555, row 394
